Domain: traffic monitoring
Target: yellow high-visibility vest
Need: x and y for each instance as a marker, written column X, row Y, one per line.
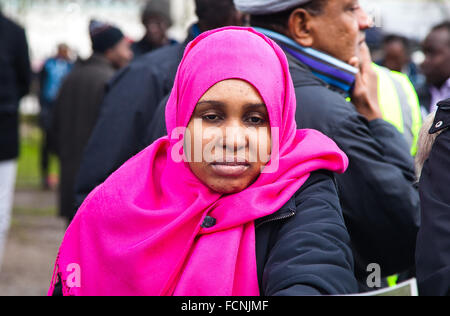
column 399, row 104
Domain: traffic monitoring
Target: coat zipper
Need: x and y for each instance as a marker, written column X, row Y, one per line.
column 291, row 214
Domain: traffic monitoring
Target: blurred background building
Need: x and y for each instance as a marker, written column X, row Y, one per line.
column 52, row 21
column 410, row 18
column 49, row 22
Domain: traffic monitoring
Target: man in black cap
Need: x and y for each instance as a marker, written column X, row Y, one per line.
column 108, row 42
column 124, row 128
column 78, row 105
column 323, row 42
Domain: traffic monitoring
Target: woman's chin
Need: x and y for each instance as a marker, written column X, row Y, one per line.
column 228, row 188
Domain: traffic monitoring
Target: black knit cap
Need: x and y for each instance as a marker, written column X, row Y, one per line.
column 104, row 36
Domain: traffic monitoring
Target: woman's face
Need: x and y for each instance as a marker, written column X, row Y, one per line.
column 228, row 140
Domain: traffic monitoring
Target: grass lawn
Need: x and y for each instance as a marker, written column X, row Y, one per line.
column 28, row 173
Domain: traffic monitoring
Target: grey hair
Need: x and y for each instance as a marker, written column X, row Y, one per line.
column 425, row 144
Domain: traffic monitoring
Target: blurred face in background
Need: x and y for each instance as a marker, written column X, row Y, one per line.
column 121, row 54
column 63, row 51
column 396, row 56
column 156, row 30
column 218, row 13
column 436, row 66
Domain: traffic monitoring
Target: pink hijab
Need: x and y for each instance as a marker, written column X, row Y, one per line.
column 139, row 233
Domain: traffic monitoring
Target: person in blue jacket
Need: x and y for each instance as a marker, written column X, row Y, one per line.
column 52, row 76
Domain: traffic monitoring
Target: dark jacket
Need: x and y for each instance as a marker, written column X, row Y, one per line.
column 144, row 47
column 304, row 248
column 15, row 78
column 127, row 111
column 433, row 242
column 424, row 94
column 380, row 204
column 75, row 115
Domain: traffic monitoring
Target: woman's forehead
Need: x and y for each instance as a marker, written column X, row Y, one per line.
column 233, row 90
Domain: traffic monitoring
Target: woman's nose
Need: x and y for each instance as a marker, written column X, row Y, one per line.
column 235, row 138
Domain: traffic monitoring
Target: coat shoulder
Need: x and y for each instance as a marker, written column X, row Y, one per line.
column 318, row 106
column 307, row 251
column 290, row 206
column 162, row 59
column 10, row 25
column 154, row 69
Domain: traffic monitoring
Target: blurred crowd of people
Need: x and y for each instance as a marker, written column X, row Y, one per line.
column 98, row 113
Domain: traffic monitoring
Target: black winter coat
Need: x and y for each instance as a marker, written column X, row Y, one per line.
column 304, row 248
column 433, row 242
column 380, row 203
column 75, row 115
column 15, row 78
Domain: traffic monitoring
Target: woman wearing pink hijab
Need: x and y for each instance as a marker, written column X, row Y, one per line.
column 235, row 201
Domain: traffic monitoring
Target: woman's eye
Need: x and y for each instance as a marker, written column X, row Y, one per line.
column 211, row 118
column 255, row 120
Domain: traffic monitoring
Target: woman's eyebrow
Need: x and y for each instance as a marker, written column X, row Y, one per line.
column 222, row 105
column 213, row 103
column 255, row 106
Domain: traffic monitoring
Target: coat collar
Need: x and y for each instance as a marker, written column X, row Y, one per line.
column 442, row 119
column 100, row 60
column 339, row 75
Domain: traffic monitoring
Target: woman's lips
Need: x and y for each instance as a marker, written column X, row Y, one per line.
column 230, row 169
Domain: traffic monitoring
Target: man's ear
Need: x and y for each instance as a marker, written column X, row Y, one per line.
column 300, row 27
column 109, row 53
